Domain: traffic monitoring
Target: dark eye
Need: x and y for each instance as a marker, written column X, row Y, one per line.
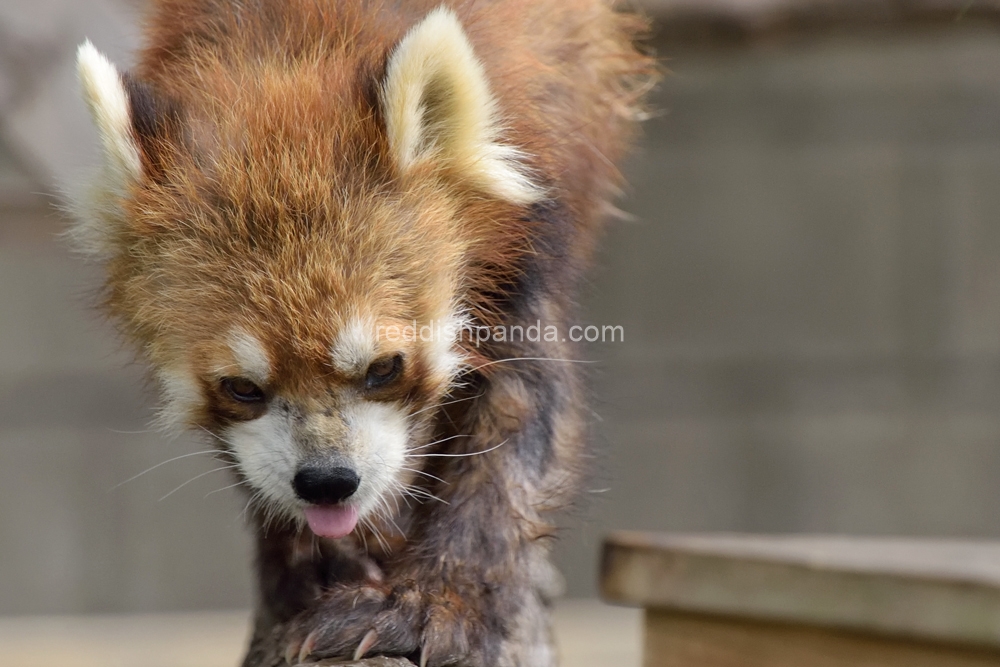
column 384, row 371
column 242, row 390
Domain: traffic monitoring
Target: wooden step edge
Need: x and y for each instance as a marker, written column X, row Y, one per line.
column 645, row 571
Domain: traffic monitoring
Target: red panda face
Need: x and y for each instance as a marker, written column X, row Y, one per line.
column 294, row 254
column 316, row 440
column 304, row 356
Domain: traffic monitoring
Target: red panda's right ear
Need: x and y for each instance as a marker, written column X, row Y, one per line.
column 439, row 112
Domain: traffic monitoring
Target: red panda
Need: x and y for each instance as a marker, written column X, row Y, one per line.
column 288, row 183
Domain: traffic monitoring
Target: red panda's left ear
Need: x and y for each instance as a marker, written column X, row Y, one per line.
column 132, row 122
column 438, row 108
column 108, row 103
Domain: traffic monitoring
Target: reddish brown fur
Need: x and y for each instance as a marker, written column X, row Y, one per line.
column 269, row 201
column 294, row 85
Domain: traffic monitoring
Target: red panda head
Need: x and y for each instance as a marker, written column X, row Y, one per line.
column 292, row 241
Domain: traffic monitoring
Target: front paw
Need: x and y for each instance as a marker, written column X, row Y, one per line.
column 432, row 629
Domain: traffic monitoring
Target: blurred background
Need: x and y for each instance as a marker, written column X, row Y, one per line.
column 809, row 288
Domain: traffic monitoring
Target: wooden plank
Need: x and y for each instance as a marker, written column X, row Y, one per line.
column 932, row 590
column 682, row 640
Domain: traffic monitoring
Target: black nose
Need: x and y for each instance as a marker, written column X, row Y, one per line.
column 325, row 485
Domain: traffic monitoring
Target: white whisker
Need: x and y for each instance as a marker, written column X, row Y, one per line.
column 246, row 508
column 378, row 536
column 425, row 474
column 503, row 361
column 212, row 493
column 441, row 405
column 196, row 477
column 361, row 533
column 417, row 493
column 151, row 468
column 395, row 504
column 220, row 439
column 485, row 451
column 387, row 516
column 436, row 442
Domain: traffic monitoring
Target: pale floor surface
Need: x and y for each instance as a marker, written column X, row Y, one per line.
column 590, row 634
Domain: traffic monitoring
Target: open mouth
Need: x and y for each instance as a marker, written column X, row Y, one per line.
column 333, row 521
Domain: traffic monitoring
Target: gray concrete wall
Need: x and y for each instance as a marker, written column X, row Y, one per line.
column 810, row 295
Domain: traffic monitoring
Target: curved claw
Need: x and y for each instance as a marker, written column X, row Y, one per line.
column 308, row 645
column 423, row 656
column 369, row 640
column 292, row 652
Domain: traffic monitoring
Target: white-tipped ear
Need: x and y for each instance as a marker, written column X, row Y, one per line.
column 98, row 205
column 438, row 106
column 104, row 92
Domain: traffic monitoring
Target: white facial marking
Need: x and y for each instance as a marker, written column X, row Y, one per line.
column 267, row 455
column 376, row 442
column 181, row 396
column 251, row 357
column 445, row 356
column 354, row 348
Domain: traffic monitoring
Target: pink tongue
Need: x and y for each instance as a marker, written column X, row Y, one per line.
column 331, row 520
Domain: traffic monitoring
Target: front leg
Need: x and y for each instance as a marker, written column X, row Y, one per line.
column 293, row 570
column 482, row 604
column 433, row 623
